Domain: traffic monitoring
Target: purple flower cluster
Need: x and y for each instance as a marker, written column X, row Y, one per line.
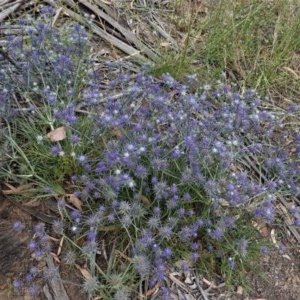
column 169, row 165
column 40, row 246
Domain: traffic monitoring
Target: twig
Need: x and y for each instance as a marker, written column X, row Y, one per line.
column 132, row 52
column 178, row 283
column 130, row 37
column 162, row 32
column 110, row 38
column 104, row 100
column 8, row 58
column 281, row 199
column 6, row 12
column 54, row 288
column 203, row 293
column 41, row 216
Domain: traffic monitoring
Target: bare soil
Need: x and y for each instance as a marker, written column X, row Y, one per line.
column 280, row 277
column 277, row 277
column 16, row 259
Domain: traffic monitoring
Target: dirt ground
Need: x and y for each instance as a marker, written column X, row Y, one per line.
column 281, row 277
column 16, row 259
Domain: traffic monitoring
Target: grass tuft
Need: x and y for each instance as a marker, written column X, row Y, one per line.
column 253, row 42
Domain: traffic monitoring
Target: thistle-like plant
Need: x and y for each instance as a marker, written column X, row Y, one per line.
column 160, row 166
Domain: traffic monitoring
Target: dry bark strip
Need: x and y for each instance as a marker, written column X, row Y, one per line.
column 136, row 53
column 130, row 37
column 37, row 214
column 54, row 289
column 11, row 7
column 139, row 52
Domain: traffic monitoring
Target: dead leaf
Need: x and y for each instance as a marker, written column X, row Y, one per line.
column 75, row 201
column 209, row 283
column 178, row 282
column 16, row 190
column 60, row 246
column 54, row 239
column 57, row 14
column 296, row 76
column 273, row 238
column 239, row 290
column 145, row 201
column 223, row 202
column 55, row 258
column 35, row 202
column 165, row 44
column 116, row 132
column 262, row 228
column 289, row 221
column 11, row 187
column 3, row 286
column 57, row 134
column 115, row 54
column 86, row 274
column 109, row 228
column 153, row 290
